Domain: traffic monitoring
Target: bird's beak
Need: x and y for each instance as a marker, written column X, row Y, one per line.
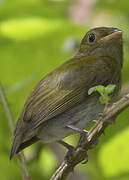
column 117, row 34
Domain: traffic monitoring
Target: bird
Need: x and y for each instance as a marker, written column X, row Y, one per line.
column 59, row 105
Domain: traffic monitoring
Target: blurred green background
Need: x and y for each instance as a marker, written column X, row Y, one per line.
column 35, row 37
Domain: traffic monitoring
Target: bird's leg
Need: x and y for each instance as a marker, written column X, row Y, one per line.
column 68, row 146
column 82, row 136
column 83, row 133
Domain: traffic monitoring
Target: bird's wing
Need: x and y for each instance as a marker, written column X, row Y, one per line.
column 62, row 89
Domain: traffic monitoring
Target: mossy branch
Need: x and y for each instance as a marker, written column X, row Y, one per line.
column 78, row 154
column 20, row 156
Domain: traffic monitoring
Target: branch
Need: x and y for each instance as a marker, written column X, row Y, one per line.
column 78, row 154
column 20, row 156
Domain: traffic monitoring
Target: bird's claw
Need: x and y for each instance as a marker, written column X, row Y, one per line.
column 69, row 153
column 82, row 137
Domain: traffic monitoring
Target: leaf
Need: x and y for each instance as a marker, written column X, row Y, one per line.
column 95, row 88
column 50, row 160
column 104, row 99
column 114, row 155
column 110, row 88
column 103, row 91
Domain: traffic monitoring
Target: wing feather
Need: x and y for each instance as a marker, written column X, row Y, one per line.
column 64, row 88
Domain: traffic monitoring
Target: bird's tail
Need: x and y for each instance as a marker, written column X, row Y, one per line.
column 16, row 143
column 18, row 146
column 27, row 143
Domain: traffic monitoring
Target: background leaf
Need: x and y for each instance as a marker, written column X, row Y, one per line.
column 33, row 34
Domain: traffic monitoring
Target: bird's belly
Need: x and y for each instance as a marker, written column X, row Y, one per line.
column 80, row 116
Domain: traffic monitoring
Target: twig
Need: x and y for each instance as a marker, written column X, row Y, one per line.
column 78, row 154
column 20, row 156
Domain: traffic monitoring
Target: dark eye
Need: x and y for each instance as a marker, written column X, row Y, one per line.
column 91, row 38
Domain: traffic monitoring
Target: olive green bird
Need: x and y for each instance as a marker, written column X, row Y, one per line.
column 60, row 105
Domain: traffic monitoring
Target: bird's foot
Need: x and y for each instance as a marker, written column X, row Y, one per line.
column 68, row 146
column 83, row 134
column 82, row 137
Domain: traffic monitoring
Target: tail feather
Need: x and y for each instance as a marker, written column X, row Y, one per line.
column 18, row 146
column 19, row 135
column 16, row 143
column 27, row 143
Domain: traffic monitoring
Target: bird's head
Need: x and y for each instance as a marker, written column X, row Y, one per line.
column 103, row 41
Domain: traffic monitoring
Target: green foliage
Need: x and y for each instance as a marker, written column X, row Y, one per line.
column 114, row 5
column 32, row 35
column 104, row 92
column 21, row 29
column 6, row 171
column 47, row 162
column 114, row 155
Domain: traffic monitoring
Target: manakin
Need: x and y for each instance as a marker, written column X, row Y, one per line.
column 60, row 105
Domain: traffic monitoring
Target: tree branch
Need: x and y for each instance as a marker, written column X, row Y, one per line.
column 20, row 156
column 78, row 154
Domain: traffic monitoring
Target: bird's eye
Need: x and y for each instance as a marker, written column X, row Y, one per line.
column 91, row 38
